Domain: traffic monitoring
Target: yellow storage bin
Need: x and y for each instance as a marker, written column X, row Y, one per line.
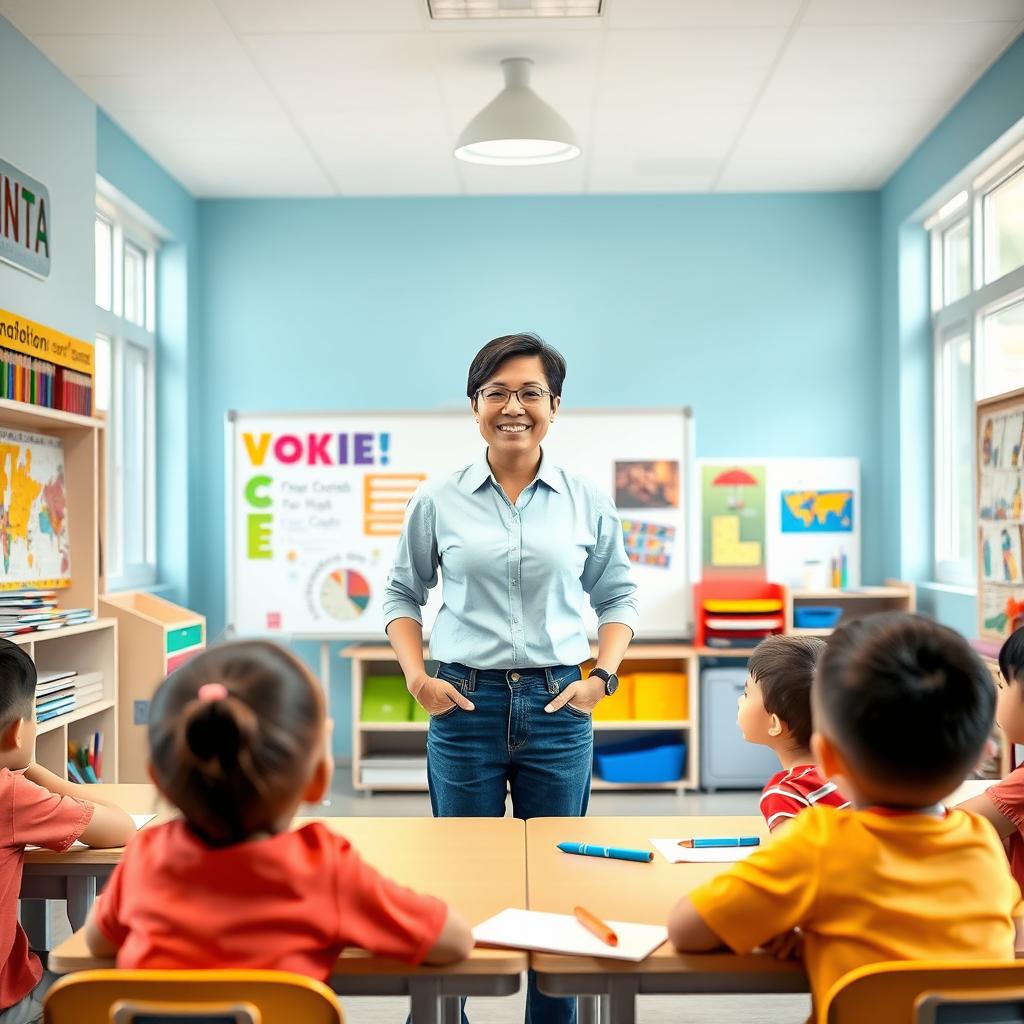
column 619, row 706
column 660, row 696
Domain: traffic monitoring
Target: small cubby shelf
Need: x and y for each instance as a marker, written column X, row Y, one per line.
column 408, row 739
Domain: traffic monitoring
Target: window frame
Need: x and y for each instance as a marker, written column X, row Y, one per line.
column 953, row 319
column 120, row 332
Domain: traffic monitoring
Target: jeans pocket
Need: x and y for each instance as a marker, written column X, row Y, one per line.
column 457, row 679
column 567, row 680
column 579, row 712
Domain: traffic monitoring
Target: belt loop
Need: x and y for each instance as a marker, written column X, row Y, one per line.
column 552, row 683
column 471, row 682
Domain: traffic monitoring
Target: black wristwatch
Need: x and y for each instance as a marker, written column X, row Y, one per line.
column 611, row 680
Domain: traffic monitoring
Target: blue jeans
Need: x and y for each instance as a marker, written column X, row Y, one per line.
column 511, row 743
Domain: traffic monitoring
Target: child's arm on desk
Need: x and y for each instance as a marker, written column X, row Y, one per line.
column 110, row 825
column 982, row 804
column 454, row 943
column 687, row 930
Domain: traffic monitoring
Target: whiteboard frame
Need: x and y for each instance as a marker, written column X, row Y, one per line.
column 683, row 551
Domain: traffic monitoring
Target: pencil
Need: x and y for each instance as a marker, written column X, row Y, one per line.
column 596, row 926
column 699, row 844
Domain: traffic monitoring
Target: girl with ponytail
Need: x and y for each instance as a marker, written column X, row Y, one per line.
column 238, row 740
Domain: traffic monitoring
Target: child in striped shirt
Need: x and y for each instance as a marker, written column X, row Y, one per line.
column 775, row 711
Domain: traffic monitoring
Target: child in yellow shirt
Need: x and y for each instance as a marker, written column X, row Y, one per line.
column 902, row 707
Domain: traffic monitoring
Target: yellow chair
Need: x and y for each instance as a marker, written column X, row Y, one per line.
column 904, row 991
column 168, row 997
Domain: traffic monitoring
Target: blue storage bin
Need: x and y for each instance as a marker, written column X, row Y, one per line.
column 816, row 616
column 657, row 758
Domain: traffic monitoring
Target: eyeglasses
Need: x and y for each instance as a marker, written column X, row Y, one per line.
column 495, row 395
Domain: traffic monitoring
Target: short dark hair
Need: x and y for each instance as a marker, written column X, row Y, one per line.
column 783, row 667
column 905, row 699
column 486, row 362
column 17, row 683
column 230, row 764
column 1011, row 657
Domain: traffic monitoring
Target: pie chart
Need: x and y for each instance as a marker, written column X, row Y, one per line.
column 344, row 594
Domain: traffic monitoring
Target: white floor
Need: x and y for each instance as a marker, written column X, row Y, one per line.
column 759, row 1009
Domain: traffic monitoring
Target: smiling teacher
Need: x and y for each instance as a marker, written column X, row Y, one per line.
column 519, row 542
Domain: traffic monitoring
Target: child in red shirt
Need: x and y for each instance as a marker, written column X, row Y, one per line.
column 238, row 740
column 1003, row 803
column 36, row 808
column 775, row 710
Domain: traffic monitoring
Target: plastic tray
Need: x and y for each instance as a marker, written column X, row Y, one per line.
column 816, row 616
column 658, row 758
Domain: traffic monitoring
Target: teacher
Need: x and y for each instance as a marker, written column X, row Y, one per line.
column 518, row 541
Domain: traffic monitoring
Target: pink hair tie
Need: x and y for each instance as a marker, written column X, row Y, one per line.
column 212, row 691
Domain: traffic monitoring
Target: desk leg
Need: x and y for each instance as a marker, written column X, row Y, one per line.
column 81, row 896
column 588, row 1010
column 619, row 1005
column 425, row 1001
column 451, row 1010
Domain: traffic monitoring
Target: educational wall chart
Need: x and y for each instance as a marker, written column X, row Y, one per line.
column 34, row 545
column 1000, row 516
column 316, row 504
column 781, row 519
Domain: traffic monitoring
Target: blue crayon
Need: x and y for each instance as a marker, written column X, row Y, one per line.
column 700, row 844
column 612, row 852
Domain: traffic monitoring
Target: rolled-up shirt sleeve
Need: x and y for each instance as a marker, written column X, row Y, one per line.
column 414, row 572
column 606, row 572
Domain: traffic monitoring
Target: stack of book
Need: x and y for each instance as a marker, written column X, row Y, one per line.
column 25, row 611
column 62, row 691
column 27, row 379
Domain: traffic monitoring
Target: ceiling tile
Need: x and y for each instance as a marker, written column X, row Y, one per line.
column 102, row 17
column 155, row 93
column 553, row 179
column 915, row 12
column 697, row 13
column 273, row 16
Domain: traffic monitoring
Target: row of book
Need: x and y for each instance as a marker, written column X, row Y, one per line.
column 27, row 611
column 38, row 382
column 63, row 691
column 85, row 760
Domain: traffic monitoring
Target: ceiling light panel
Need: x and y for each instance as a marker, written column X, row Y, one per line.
column 450, row 10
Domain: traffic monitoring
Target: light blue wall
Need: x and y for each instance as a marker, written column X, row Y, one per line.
column 992, row 106
column 759, row 311
column 48, row 130
column 142, row 180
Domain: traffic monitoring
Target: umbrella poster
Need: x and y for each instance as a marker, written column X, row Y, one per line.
column 733, row 502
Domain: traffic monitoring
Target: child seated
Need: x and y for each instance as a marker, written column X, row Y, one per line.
column 238, row 739
column 775, row 711
column 40, row 809
column 1003, row 803
column 902, row 706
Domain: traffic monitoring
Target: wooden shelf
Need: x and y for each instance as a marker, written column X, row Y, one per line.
column 597, row 784
column 393, row 726
column 856, row 594
column 723, row 652
column 811, row 632
column 56, row 634
column 86, row 711
column 37, row 418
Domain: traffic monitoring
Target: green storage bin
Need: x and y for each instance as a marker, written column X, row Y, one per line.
column 180, row 638
column 385, row 699
column 417, row 713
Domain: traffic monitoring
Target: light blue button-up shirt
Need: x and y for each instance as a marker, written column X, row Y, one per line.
column 513, row 576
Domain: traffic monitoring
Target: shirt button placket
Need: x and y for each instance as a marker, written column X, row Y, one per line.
column 515, row 591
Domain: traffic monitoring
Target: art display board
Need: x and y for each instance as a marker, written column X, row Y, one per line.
column 775, row 518
column 315, row 504
column 999, row 434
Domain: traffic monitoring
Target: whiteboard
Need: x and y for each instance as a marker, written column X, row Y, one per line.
column 315, row 504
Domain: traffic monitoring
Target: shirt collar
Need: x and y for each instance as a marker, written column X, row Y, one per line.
column 479, row 472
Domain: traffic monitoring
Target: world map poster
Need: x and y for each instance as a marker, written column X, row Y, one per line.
column 817, row 511
column 34, row 547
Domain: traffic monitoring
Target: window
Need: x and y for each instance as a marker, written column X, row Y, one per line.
column 977, row 252
column 125, row 391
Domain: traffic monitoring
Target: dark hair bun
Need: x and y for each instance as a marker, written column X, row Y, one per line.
column 218, row 731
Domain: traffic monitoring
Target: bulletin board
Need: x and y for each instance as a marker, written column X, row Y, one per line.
column 315, row 505
column 999, row 433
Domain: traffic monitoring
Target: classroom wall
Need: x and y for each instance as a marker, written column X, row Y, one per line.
column 992, row 107
column 48, row 129
column 142, row 180
column 759, row 311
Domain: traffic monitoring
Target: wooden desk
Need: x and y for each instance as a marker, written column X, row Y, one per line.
column 478, row 865
column 74, row 875
column 629, row 891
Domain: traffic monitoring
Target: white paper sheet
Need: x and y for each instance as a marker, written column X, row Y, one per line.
column 562, row 933
column 676, row 854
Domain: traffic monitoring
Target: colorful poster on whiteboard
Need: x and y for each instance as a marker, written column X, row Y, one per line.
column 316, row 504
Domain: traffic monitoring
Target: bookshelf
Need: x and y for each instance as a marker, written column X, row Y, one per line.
column 892, row 596
column 372, row 740
column 155, row 637
column 90, row 647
